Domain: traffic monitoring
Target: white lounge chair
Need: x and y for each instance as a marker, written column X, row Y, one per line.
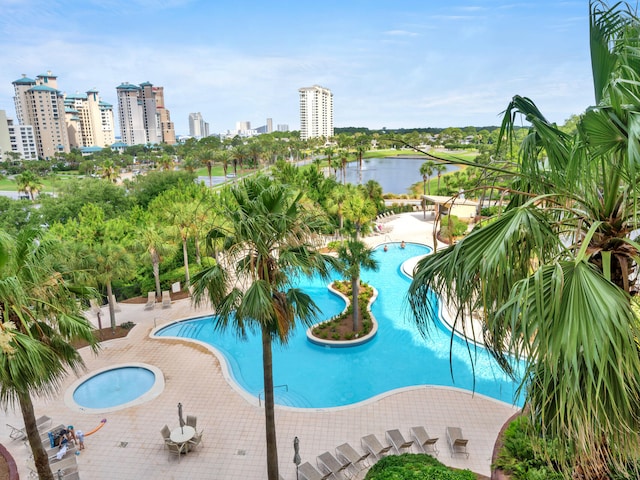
column 457, row 443
column 309, row 472
column 398, row 441
column 422, row 440
column 151, row 301
column 95, row 307
column 166, row 299
column 347, row 452
column 19, row 433
column 330, row 464
column 371, row 444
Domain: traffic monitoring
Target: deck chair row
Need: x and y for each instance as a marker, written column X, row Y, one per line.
column 348, row 461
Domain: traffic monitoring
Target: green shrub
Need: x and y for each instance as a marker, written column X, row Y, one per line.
column 519, row 456
column 489, row 211
column 415, row 467
column 452, row 226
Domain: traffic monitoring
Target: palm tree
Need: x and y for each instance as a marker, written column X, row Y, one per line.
column 552, row 275
column 109, row 171
column 153, row 240
column 266, row 241
column 344, row 159
column 354, row 255
column 40, row 317
column 426, row 170
column 207, row 157
column 440, row 169
column 29, row 183
column 359, row 210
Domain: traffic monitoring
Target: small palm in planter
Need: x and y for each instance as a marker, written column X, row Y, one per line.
column 353, row 256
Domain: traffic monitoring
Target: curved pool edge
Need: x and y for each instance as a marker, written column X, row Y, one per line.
column 156, row 389
column 255, row 401
column 224, row 365
column 346, row 343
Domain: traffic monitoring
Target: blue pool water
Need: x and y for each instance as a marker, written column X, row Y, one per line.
column 114, row 387
column 398, row 356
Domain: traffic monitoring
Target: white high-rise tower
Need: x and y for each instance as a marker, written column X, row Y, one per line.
column 316, row 112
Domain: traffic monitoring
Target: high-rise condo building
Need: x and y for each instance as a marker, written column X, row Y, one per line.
column 198, row 128
column 316, row 112
column 40, row 104
column 17, row 139
column 89, row 120
column 143, row 116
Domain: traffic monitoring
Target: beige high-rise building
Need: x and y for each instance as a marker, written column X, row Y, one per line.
column 40, row 104
column 316, row 112
column 143, row 116
column 166, row 125
column 89, row 120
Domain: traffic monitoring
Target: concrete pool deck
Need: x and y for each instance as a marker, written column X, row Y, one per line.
column 129, row 446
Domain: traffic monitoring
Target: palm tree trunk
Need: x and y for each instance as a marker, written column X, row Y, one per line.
column 185, row 258
column 40, row 457
column 269, row 407
column 112, row 308
column 355, row 290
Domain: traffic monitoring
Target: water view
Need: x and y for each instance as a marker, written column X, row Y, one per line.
column 394, row 174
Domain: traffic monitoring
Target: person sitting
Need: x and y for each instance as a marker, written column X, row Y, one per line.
column 402, row 244
column 71, row 435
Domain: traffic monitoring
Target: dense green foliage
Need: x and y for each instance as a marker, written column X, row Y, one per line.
column 521, row 454
column 452, row 226
column 415, row 467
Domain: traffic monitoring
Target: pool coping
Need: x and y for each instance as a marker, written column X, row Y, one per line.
column 156, row 389
column 346, row 343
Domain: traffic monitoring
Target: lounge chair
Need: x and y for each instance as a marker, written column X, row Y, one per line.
column 330, row 464
column 347, row 453
column 309, row 472
column 398, row 441
column 151, row 301
column 192, row 420
column 176, row 448
column 457, row 443
column 19, row 433
column 371, row 444
column 166, row 299
column 95, row 308
column 424, row 441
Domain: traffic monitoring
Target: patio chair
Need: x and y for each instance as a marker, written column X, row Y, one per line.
column 422, row 440
column 151, row 301
column 175, row 448
column 16, row 433
column 166, row 299
column 348, row 453
column 330, row 464
column 457, row 443
column 398, row 441
column 371, row 444
column 309, row 472
column 192, row 420
column 165, row 432
column 195, row 441
column 95, row 307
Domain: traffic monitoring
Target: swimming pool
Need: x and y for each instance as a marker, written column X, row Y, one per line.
column 312, row 376
column 115, row 387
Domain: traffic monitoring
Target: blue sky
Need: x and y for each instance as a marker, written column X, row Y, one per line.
column 392, row 63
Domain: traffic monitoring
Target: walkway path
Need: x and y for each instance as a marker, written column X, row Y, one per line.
column 129, row 446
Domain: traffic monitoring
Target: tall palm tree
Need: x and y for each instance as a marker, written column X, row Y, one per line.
column 354, row 255
column 109, row 171
column 426, row 170
column 207, row 157
column 267, row 243
column 553, row 273
column 40, row 317
column 440, row 169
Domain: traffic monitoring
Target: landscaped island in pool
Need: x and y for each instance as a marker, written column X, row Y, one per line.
column 311, row 376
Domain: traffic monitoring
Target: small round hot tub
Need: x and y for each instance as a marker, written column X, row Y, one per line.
column 116, row 387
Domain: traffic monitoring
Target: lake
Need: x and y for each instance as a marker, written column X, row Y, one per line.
column 394, row 174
